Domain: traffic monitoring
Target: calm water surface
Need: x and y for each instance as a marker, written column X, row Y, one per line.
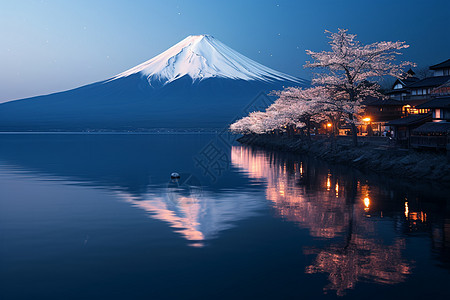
column 96, row 216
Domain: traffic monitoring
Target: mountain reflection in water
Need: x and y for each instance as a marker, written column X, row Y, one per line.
column 277, row 225
column 198, row 216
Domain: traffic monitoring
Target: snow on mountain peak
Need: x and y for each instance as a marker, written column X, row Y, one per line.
column 201, row 57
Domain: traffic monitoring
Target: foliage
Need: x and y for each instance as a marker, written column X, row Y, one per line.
column 343, row 79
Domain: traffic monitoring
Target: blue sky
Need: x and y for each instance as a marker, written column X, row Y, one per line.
column 49, row 46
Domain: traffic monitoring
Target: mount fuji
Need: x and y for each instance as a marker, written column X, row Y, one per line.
column 197, row 83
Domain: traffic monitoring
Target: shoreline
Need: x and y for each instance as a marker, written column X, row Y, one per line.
column 105, row 132
column 374, row 153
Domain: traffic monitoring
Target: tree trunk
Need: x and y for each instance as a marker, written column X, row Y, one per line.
column 354, row 131
column 331, row 132
column 291, row 131
column 369, row 130
column 308, row 129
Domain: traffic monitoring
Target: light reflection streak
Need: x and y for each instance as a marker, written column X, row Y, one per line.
column 324, row 214
column 360, row 259
column 329, row 214
column 366, row 203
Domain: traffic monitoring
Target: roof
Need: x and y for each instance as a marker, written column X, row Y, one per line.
column 417, row 101
column 442, row 65
column 445, row 85
column 442, row 102
column 390, row 102
column 430, row 127
column 397, row 91
column 411, row 72
column 369, row 99
column 410, row 80
column 410, row 120
column 405, row 81
column 430, row 82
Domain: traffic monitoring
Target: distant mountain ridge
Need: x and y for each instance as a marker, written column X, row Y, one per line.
column 198, row 83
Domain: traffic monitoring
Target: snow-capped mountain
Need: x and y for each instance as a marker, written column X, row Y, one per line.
column 197, row 83
column 201, row 57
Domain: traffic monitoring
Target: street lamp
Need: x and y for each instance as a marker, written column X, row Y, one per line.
column 328, row 127
column 369, row 126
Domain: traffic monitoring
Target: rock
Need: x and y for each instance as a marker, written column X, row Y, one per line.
column 407, row 160
column 394, row 161
column 361, row 158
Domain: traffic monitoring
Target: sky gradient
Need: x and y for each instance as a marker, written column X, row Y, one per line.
column 50, row 46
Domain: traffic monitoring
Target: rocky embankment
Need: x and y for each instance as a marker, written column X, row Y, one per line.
column 377, row 154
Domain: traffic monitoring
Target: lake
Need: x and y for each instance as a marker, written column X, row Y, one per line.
column 97, row 216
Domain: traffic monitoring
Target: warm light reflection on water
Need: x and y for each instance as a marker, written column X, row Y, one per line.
column 324, row 214
column 366, row 203
column 353, row 253
column 359, row 259
column 100, row 211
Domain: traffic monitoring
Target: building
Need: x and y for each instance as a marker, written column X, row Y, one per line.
column 401, row 129
column 441, row 69
column 380, row 111
column 413, row 91
column 415, row 97
column 434, row 134
column 399, row 89
column 422, row 90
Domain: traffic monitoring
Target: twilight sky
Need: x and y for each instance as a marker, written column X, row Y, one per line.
column 49, row 46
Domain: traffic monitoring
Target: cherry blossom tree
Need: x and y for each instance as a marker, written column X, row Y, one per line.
column 314, row 105
column 300, row 107
column 347, row 69
column 253, row 123
column 342, row 81
column 295, row 107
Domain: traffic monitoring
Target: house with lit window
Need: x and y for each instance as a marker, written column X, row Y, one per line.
column 413, row 91
column 381, row 111
column 442, row 69
column 399, row 89
column 401, row 129
column 422, row 90
column 415, row 97
column 434, row 134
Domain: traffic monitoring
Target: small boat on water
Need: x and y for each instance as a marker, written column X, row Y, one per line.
column 175, row 175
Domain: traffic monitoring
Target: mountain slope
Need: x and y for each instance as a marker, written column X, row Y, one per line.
column 202, row 57
column 198, row 83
